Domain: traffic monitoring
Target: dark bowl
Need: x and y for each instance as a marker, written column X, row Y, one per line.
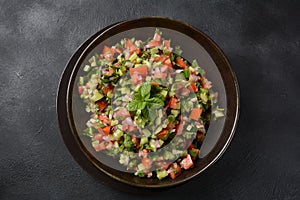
column 195, row 44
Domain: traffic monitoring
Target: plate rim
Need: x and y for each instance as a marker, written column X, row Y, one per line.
column 218, row 151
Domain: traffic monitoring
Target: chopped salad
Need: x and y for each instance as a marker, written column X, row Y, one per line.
column 150, row 108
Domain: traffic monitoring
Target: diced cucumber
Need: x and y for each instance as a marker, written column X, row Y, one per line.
column 161, row 174
column 144, row 140
column 86, row 68
column 95, row 143
column 175, row 112
column 81, row 80
column 154, row 51
column 133, row 57
column 152, row 145
column 179, row 77
column 146, row 132
column 158, row 129
column 118, row 134
column 125, row 90
column 97, row 96
column 164, row 92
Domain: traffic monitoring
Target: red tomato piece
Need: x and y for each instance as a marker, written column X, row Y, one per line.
column 187, row 162
column 101, row 104
column 106, row 130
column 102, row 117
column 157, row 37
column 147, row 162
column 174, row 170
column 193, row 87
column 98, row 136
column 80, row 89
column 168, row 62
column 196, row 113
column 143, row 71
column 122, row 112
column 107, row 89
column 153, row 43
column 101, row 146
column 107, row 50
column 173, row 102
column 181, row 63
column 163, row 134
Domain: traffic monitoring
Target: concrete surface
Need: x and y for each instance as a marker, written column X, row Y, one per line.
column 261, row 40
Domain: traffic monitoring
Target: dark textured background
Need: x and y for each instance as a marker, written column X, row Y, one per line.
column 261, row 40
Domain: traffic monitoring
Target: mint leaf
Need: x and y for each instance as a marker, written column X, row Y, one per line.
column 142, row 105
column 133, row 105
column 145, row 89
column 136, row 105
column 159, row 96
column 155, row 102
column 137, row 96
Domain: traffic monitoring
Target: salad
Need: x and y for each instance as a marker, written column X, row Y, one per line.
column 150, row 108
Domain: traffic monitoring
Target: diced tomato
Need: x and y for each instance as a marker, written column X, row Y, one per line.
column 106, row 130
column 122, row 112
column 154, row 83
column 109, row 72
column 195, row 113
column 160, row 58
column 157, row 37
column 174, row 170
column 143, row 70
column 147, row 162
column 181, row 63
column 163, row 135
column 100, row 146
column 107, row 50
column 116, row 50
column 179, row 128
column 193, row 87
column 160, row 75
column 135, row 140
column 166, row 44
column 136, row 79
column 80, row 89
column 206, row 84
column 168, row 62
column 101, row 104
column 102, row 117
column 98, row 136
column 131, row 47
column 153, row 43
column 187, row 162
column 173, row 102
column 138, row 74
column 107, row 89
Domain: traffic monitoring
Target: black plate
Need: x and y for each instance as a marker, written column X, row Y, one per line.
column 218, row 70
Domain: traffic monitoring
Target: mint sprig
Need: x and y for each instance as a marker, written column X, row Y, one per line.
column 146, row 102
